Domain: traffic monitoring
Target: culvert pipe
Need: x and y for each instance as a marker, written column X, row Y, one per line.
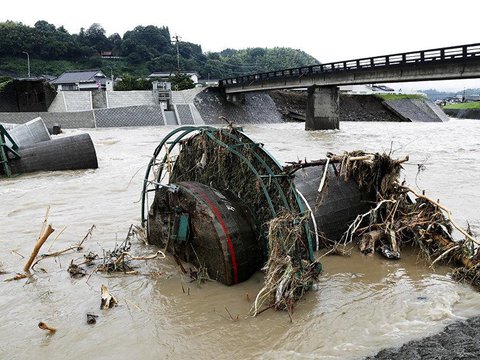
column 66, row 153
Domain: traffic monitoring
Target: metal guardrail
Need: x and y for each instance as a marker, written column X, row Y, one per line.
column 448, row 54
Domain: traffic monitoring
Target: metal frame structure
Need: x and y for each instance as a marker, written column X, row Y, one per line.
column 5, row 149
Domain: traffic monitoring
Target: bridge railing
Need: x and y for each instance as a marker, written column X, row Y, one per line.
column 453, row 53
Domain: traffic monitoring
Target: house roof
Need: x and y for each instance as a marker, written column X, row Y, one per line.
column 78, row 76
column 168, row 74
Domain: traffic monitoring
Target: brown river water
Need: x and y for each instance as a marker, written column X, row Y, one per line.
column 359, row 306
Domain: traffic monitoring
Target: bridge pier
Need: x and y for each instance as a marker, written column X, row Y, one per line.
column 237, row 99
column 323, row 108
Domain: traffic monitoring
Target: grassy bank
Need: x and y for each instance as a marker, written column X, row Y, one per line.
column 461, row 106
column 386, row 97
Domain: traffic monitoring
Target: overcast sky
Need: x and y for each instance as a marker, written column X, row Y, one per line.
column 328, row 30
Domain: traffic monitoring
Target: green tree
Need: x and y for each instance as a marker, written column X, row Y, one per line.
column 143, row 43
column 116, row 40
column 130, row 82
column 144, row 49
column 181, row 82
column 95, row 37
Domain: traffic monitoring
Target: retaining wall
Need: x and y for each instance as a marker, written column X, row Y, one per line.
column 257, row 108
column 210, row 107
column 463, row 113
column 116, row 117
column 416, row 110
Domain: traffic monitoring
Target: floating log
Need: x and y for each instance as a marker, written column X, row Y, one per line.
column 44, row 326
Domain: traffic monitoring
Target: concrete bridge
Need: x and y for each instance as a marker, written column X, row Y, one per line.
column 456, row 62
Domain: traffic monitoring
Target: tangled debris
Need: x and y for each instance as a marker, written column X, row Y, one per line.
column 288, row 276
column 403, row 217
column 76, row 271
column 117, row 260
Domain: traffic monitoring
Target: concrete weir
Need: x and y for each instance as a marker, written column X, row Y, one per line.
column 323, row 108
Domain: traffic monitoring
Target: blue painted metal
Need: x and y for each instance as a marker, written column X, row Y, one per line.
column 183, row 228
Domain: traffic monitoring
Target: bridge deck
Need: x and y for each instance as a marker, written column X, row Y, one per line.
column 457, row 62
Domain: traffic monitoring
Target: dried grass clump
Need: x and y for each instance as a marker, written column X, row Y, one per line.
column 288, row 276
column 372, row 172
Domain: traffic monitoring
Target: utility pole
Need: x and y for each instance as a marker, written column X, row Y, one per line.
column 28, row 61
column 177, row 39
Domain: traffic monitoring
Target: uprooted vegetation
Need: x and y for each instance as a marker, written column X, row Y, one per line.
column 402, row 217
column 287, row 275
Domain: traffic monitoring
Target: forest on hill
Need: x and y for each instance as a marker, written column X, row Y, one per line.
column 139, row 52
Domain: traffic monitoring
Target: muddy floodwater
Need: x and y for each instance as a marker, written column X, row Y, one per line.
column 359, row 306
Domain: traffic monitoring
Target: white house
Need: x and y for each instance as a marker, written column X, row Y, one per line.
column 163, row 76
column 80, row 80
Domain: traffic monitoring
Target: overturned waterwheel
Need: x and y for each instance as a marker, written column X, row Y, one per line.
column 194, row 174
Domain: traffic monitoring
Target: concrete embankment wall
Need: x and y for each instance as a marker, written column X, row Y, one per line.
column 208, row 106
column 292, row 105
column 365, row 108
column 258, row 107
column 113, row 109
column 463, row 113
column 189, row 107
column 152, row 115
column 416, row 110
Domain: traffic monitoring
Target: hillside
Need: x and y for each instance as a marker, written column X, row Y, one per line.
column 138, row 52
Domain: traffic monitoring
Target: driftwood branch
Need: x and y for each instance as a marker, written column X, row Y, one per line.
column 448, row 212
column 76, row 247
column 43, row 237
column 293, row 167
